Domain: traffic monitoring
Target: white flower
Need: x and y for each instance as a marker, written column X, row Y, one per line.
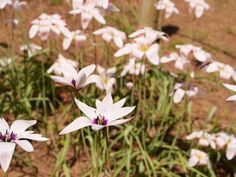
column 31, row 49
column 204, row 138
column 186, row 49
column 180, row 92
column 133, row 68
column 227, row 141
column 149, row 34
column 45, row 24
column 225, row 71
column 141, row 49
column 105, row 114
column 233, row 88
column 16, row 134
column 105, row 79
column 110, row 33
column 198, row 157
column 88, row 11
column 77, row 36
column 199, row 6
column 180, row 60
column 168, row 6
column 72, row 77
column 4, row 3
column 129, row 85
column 57, row 67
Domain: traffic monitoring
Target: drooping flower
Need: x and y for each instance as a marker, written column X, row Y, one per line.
column 198, row 157
column 105, row 114
column 105, row 79
column 225, row 71
column 233, row 88
column 149, row 34
column 168, row 6
column 204, row 138
column 70, row 36
column 133, row 68
column 72, row 77
column 180, row 60
column 16, row 134
column 88, row 11
column 110, row 33
column 31, row 49
column 56, row 68
column 180, row 90
column 199, row 6
column 46, row 24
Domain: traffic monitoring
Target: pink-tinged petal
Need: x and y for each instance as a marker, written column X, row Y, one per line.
column 178, row 95
column 100, row 69
column 96, row 127
column 118, row 41
column 232, row 98
column 88, row 69
column 66, row 43
column 20, row 126
column 3, row 126
column 26, row 145
column 87, row 110
column 124, row 51
column 107, row 37
column 97, row 102
column 213, row 67
column 93, row 79
column 6, row 153
column 61, row 80
column 193, row 161
column 119, row 113
column 230, row 87
column 231, row 150
column 32, row 136
column 99, row 17
column 77, row 124
column 33, row 31
column 225, row 75
column 119, row 122
column 152, row 54
column 100, row 31
column 80, row 80
column 85, row 19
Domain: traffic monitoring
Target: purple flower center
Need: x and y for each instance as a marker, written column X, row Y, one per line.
column 73, row 82
column 8, row 137
column 100, row 120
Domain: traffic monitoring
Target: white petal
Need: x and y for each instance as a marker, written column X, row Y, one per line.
column 96, row 127
column 231, row 98
column 26, row 145
column 87, row 110
column 6, row 153
column 231, row 150
column 80, row 80
column 230, row 87
column 3, row 126
column 106, row 104
column 119, row 104
column 33, row 31
column 119, row 113
column 152, row 54
column 118, row 41
column 61, row 80
column 77, row 124
column 178, row 95
column 66, row 43
column 88, row 69
column 119, row 122
column 124, row 51
column 193, row 161
column 20, row 126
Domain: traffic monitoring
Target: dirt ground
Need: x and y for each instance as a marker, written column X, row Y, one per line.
column 215, row 32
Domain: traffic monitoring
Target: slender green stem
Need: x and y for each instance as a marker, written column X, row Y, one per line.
column 108, row 150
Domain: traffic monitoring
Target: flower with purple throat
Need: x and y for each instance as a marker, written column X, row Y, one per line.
column 105, row 114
